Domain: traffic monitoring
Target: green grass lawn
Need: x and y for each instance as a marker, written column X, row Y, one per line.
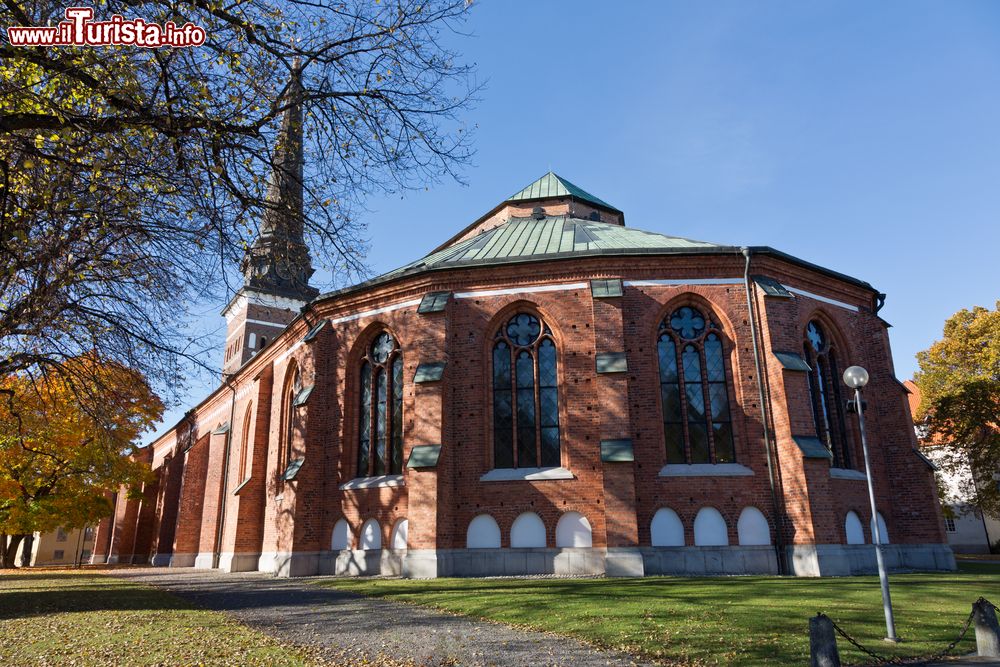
column 720, row 620
column 87, row 618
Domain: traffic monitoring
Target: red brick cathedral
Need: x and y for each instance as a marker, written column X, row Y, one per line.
column 549, row 391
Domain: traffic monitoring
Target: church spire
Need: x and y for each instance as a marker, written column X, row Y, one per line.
column 278, row 260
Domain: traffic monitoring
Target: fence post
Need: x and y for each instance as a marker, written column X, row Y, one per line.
column 987, row 629
column 823, row 642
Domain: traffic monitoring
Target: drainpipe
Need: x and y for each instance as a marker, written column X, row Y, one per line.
column 223, row 494
column 765, row 420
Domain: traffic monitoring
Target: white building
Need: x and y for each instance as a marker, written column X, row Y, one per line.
column 969, row 530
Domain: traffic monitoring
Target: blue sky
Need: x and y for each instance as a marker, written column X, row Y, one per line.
column 861, row 136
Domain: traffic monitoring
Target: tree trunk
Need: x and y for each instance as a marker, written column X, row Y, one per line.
column 9, row 553
column 29, row 541
column 3, row 551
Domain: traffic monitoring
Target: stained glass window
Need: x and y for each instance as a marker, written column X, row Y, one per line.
column 380, row 417
column 292, row 387
column 245, row 442
column 525, row 395
column 824, row 395
column 694, row 395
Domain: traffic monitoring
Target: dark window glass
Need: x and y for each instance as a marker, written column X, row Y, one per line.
column 291, row 390
column 365, row 431
column 396, row 464
column 525, row 395
column 718, row 397
column 380, row 417
column 697, row 423
column 548, row 401
column 245, row 443
column 524, row 372
column 503, row 417
column 825, row 397
column 670, row 398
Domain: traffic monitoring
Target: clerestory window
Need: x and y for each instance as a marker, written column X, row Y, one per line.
column 380, row 428
column 525, row 395
column 694, row 395
column 825, row 396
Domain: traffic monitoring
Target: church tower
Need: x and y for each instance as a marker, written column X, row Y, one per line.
column 276, row 268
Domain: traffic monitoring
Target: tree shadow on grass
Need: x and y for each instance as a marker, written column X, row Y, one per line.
column 84, row 597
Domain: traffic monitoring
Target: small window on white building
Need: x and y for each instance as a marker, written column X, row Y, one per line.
column 60, row 535
column 58, row 554
column 949, row 524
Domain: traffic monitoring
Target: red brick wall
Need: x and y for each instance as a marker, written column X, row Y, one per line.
column 105, row 528
column 192, row 498
column 619, row 499
column 146, row 519
column 167, row 507
column 244, row 520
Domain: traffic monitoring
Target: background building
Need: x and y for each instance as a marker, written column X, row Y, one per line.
column 969, row 530
column 59, row 547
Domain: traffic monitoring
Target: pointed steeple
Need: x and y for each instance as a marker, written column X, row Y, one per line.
column 278, row 260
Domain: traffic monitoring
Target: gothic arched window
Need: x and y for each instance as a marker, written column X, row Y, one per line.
column 692, row 376
column 824, row 395
column 525, row 395
column 245, row 443
column 293, row 385
column 380, row 419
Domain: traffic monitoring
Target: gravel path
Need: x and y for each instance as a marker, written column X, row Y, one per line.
column 340, row 626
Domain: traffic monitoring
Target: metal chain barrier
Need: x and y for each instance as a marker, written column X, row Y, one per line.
column 886, row 660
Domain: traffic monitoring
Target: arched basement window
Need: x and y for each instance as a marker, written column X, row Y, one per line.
column 525, row 395
column 692, row 376
column 666, row 529
column 824, row 394
column 527, row 531
column 852, row 528
column 380, row 428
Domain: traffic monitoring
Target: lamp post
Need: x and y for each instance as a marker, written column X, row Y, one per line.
column 856, row 377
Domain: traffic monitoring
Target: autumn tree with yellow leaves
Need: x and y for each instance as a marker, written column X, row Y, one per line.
column 959, row 382
column 59, row 456
column 133, row 179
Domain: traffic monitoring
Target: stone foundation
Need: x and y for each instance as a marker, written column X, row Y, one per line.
column 230, row 562
column 824, row 560
column 839, row 560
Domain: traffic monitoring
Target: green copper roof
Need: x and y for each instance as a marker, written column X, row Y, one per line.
column 553, row 185
column 527, row 239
